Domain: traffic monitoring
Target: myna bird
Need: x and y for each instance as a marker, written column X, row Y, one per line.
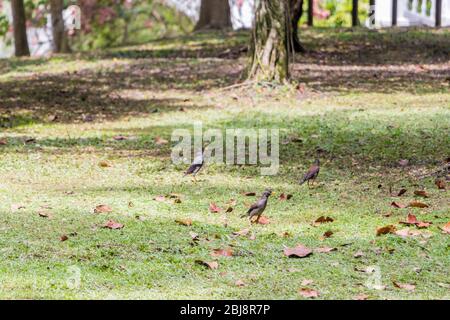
column 196, row 165
column 258, row 207
column 312, row 173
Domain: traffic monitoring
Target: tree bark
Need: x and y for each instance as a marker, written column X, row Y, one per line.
column 60, row 41
column 214, row 14
column 296, row 14
column 19, row 28
column 271, row 42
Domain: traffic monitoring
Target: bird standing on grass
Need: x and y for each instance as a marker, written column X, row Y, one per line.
column 312, row 173
column 258, row 208
column 196, row 165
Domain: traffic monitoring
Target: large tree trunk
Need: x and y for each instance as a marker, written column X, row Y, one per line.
column 60, row 41
column 19, row 28
column 214, row 14
column 296, row 14
column 271, row 42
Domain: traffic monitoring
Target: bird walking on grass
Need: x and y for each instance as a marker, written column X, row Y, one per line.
column 196, row 165
column 259, row 206
column 311, row 174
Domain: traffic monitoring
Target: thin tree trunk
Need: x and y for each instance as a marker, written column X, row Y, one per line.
column 19, row 28
column 60, row 41
column 214, row 14
column 296, row 13
column 271, row 41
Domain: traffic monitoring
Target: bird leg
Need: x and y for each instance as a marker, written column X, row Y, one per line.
column 257, row 219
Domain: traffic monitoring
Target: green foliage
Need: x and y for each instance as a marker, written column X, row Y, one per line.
column 4, row 25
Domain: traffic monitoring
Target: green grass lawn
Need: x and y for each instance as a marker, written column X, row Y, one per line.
column 361, row 100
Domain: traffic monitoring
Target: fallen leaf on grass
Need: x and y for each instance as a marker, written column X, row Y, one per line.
column 386, row 230
column 324, row 249
column 160, row 198
column 214, row 208
column 408, row 233
column 405, row 286
column 417, row 204
column 421, row 193
column 242, row 232
column 63, row 238
column 184, row 222
column 284, row 197
column 446, row 228
column 327, row 234
column 230, row 209
column 358, row 254
column 322, row 219
column 299, row 251
column 111, row 224
column 213, row 265
column 160, row 141
column 401, row 192
column 3, row 142
column 263, row 220
column 102, row 208
column 308, row 293
column 411, row 219
column 17, row 207
column 44, row 214
column 440, row 183
column 222, row 252
column 240, row 283
column 120, row 138
column 307, row 282
column 194, row 236
column 398, row 205
column 104, row 164
column 403, row 162
column 361, row 296
column 249, row 194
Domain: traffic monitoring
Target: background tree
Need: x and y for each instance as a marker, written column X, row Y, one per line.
column 214, row 14
column 296, row 9
column 19, row 28
column 271, row 42
column 60, row 41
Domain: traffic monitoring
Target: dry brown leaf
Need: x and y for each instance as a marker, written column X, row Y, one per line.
column 102, row 208
column 322, row 219
column 249, row 194
column 405, row 286
column 325, row 249
column 263, row 220
column 358, row 254
column 44, row 214
column 441, row 184
column 421, row 193
column 228, row 252
column 299, row 251
column 446, row 228
column 327, row 234
column 308, row 293
column 240, row 283
column 214, row 208
column 3, row 141
column 242, row 232
column 398, row 205
column 284, row 197
column 386, row 230
column 111, row 224
column 307, row 282
column 104, row 164
column 230, row 209
column 63, row 238
column 184, row 222
column 417, row 204
column 120, row 138
column 213, row 265
column 401, row 192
